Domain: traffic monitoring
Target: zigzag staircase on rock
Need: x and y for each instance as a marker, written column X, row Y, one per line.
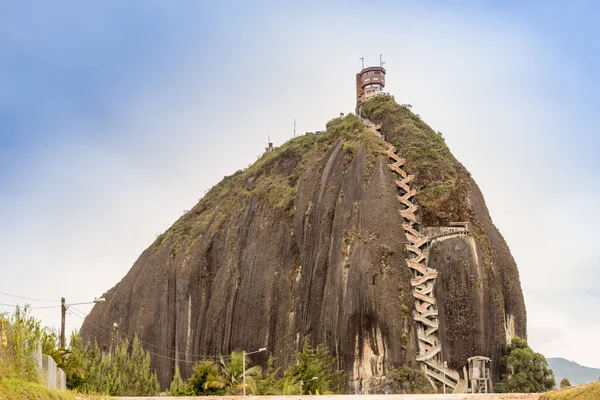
column 423, row 277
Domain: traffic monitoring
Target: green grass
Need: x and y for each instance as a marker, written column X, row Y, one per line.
column 273, row 179
column 582, row 392
column 12, row 389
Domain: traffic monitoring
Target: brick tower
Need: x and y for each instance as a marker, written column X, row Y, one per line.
column 370, row 81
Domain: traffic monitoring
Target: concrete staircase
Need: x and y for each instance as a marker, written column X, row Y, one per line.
column 423, row 278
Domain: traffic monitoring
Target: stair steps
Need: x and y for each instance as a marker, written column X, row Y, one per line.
column 423, row 278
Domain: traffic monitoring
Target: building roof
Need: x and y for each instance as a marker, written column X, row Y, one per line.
column 372, row 69
column 479, row 358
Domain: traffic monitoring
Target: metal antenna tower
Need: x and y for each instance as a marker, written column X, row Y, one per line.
column 363, row 61
column 381, row 62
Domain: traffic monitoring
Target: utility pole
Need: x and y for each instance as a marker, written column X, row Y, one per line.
column 63, row 312
column 244, row 354
column 244, row 370
column 3, row 339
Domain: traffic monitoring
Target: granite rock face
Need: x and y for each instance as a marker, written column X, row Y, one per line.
column 308, row 243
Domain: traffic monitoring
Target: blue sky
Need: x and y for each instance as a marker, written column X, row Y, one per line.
column 117, row 116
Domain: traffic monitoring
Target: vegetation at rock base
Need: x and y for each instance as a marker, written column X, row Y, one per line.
column 407, row 380
column 583, row 392
column 313, row 374
column 178, row 386
column 125, row 371
column 564, row 383
column 523, row 370
column 317, row 363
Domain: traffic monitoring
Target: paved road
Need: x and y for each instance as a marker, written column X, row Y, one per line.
column 360, row 397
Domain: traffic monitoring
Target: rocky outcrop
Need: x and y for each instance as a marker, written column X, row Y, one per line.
column 478, row 290
column 308, row 243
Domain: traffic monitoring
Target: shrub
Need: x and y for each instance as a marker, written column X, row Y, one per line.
column 317, row 363
column 178, row 386
column 125, row 371
column 407, row 380
column 564, row 383
column 524, row 371
column 206, row 380
column 24, row 334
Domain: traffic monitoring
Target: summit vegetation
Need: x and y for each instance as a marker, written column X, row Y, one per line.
column 273, row 178
column 425, row 150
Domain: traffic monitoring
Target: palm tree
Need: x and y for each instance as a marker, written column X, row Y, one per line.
column 206, row 379
column 232, row 373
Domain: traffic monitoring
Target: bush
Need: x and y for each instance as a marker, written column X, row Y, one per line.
column 565, row 383
column 178, row 386
column 406, row 380
column 125, row 371
column 313, row 374
column 18, row 360
column 317, row 363
column 524, row 371
column 206, row 380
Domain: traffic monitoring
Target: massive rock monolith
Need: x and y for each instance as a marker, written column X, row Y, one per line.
column 308, row 243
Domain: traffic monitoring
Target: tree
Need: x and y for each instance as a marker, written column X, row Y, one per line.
column 124, row 372
column 178, row 386
column 232, row 372
column 314, row 371
column 565, row 383
column 523, row 370
column 407, row 380
column 270, row 385
column 206, row 380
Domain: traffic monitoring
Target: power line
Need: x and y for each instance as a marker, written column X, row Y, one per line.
column 153, row 345
column 82, row 316
column 28, row 306
column 29, row 298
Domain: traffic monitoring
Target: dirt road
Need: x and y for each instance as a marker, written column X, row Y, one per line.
column 359, row 397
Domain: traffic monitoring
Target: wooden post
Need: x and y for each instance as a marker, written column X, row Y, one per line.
column 244, row 370
column 3, row 340
column 63, row 312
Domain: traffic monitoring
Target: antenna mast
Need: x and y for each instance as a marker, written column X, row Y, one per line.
column 294, row 127
column 381, row 62
column 363, row 61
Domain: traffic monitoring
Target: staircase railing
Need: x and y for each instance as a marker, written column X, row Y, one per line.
column 423, row 277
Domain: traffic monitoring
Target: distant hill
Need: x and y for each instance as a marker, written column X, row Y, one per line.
column 575, row 373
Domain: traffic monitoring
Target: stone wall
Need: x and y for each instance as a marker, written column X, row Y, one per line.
column 54, row 377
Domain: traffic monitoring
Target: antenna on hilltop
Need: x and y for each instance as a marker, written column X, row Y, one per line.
column 381, row 62
column 294, row 127
column 363, row 61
